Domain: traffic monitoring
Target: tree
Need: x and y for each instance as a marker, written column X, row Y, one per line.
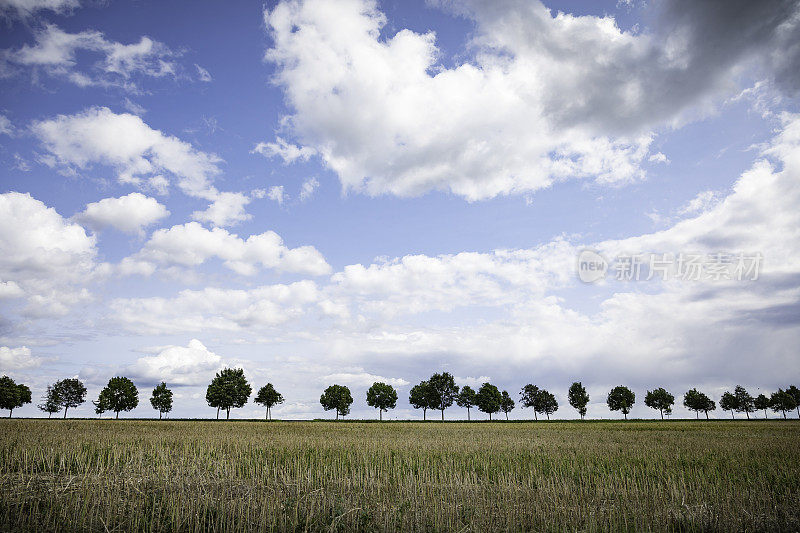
column 578, row 398
column 336, row 397
column 762, row 402
column 382, row 397
column 795, row 392
column 268, row 397
column 100, row 406
column 161, row 400
column 70, row 393
column 229, row 389
column 49, row 403
column 660, row 399
column 545, row 403
column 466, row 398
column 527, row 397
column 488, row 399
column 444, row 390
column 696, row 401
column 782, row 401
column 119, row 395
column 422, row 397
column 744, row 402
column 728, row 402
column 506, row 403
column 621, row 398
column 13, row 395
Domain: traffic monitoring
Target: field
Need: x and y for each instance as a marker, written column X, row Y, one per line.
column 58, row 475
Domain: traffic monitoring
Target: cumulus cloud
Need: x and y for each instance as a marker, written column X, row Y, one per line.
column 56, row 52
column 27, row 8
column 17, row 359
column 546, row 97
column 361, row 379
column 43, row 256
column 130, row 213
column 193, row 364
column 191, row 244
column 308, row 188
column 286, row 151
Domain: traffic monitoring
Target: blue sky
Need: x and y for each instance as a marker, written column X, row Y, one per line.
column 353, row 192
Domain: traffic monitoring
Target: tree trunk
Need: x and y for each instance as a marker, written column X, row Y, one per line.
column 765, row 414
column 784, row 415
column 424, row 414
column 534, row 415
column 548, row 416
column 49, row 415
column 506, row 416
column 662, row 413
column 626, row 415
column 227, row 413
column 748, row 414
column 380, row 411
column 337, row 414
column 467, row 414
column 65, row 412
column 490, row 417
column 217, row 413
column 442, row 415
column 9, row 412
column 116, row 417
column 732, row 415
column 160, row 414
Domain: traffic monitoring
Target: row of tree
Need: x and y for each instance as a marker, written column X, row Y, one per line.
column 230, row 390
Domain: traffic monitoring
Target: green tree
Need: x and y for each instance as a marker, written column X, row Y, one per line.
column 762, row 402
column 545, row 403
column 49, row 403
column 382, row 397
column 621, row 398
column 728, row 402
column 100, row 406
column 70, row 393
column 488, row 399
column 527, row 397
column 444, row 390
column 337, row 397
column 161, row 400
column 795, row 392
column 782, row 401
column 422, row 397
column 744, row 402
column 506, row 403
column 229, row 389
column 466, row 398
column 268, row 397
column 13, row 395
column 660, row 399
column 578, row 398
column 119, row 395
column 696, row 401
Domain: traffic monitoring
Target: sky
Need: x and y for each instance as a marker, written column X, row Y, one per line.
column 352, row 191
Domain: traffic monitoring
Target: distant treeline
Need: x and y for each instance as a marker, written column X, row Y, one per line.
column 230, row 390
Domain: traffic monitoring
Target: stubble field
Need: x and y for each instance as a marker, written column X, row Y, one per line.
column 78, row 475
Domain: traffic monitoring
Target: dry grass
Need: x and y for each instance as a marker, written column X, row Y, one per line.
column 60, row 475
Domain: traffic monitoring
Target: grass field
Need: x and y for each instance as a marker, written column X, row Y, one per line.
column 58, row 475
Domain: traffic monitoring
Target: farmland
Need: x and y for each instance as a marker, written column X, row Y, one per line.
column 134, row 475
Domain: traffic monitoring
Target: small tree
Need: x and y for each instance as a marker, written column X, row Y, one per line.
column 488, row 399
column 49, row 403
column 696, row 401
column 578, row 398
column 527, row 397
column 70, row 393
column 161, row 400
column 545, row 403
column 444, row 390
column 728, row 402
column 744, row 402
column 229, row 389
column 382, row 397
column 660, row 399
column 621, row 398
column 13, row 395
column 506, row 403
column 795, row 392
column 100, row 407
column 466, row 398
column 782, row 401
column 762, row 402
column 422, row 397
column 337, row 397
column 119, row 395
column 268, row 397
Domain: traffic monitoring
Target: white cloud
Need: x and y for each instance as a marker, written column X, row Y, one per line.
column 190, row 245
column 193, row 364
column 226, row 209
column 658, row 157
column 203, row 74
column 286, row 151
column 27, row 8
column 17, row 359
column 130, row 213
column 276, row 194
column 6, row 127
column 361, row 379
column 44, row 255
column 308, row 188
column 56, row 51
column 700, row 203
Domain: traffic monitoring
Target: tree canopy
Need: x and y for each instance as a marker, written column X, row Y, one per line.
column 782, row 401
column 578, row 398
column 621, row 398
column 443, row 390
column 119, row 395
column 422, row 397
column 49, row 403
column 13, row 395
column 545, row 403
column 506, row 403
column 466, row 398
column 269, row 398
column 488, row 399
column 382, row 397
column 762, row 403
column 337, row 397
column 744, row 402
column 697, row 401
column 161, row 400
column 69, row 393
column 229, row 389
column 659, row 399
column 728, row 402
